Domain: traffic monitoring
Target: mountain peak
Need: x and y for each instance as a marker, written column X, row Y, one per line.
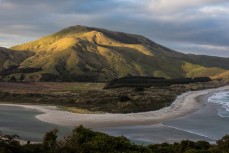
column 73, row 30
column 118, row 36
column 81, row 53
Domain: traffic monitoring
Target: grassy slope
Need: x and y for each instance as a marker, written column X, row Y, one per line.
column 10, row 57
column 104, row 55
column 224, row 75
column 193, row 70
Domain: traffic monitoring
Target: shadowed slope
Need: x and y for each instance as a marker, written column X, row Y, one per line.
column 82, row 53
column 9, row 58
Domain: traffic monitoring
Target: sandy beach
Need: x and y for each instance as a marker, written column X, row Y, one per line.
column 183, row 105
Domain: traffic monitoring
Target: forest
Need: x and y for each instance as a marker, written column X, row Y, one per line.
column 84, row 140
column 148, row 81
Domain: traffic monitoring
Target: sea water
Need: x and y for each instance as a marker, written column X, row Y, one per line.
column 211, row 121
column 221, row 98
column 22, row 121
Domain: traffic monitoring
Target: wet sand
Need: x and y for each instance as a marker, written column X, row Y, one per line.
column 203, row 122
column 22, row 122
column 117, row 124
column 183, row 105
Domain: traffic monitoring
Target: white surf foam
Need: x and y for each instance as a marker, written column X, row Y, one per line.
column 221, row 98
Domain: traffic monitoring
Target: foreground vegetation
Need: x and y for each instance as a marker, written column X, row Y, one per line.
column 83, row 140
column 92, row 98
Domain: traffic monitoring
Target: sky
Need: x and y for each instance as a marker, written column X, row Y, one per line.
column 195, row 26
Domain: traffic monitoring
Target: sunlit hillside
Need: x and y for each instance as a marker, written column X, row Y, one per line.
column 82, row 53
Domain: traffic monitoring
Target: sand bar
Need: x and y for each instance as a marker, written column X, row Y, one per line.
column 183, row 105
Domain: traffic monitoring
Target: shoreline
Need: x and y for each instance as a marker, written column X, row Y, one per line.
column 184, row 104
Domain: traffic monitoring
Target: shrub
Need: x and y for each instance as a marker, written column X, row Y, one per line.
column 139, row 89
column 123, row 98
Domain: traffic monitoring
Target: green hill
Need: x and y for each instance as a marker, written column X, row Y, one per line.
column 10, row 58
column 82, row 53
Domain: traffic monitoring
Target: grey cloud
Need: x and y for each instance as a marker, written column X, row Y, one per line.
column 170, row 24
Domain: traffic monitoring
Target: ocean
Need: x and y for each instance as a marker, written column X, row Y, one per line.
column 209, row 123
column 221, row 98
column 21, row 121
column 212, row 121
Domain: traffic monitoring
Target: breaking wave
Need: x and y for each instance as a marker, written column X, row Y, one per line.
column 221, row 98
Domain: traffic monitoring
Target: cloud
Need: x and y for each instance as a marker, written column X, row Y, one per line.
column 221, row 51
column 7, row 40
column 165, row 6
column 176, row 24
column 215, row 10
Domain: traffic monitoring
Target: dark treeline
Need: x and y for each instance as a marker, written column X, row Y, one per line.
column 144, row 81
column 83, row 140
column 15, row 69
